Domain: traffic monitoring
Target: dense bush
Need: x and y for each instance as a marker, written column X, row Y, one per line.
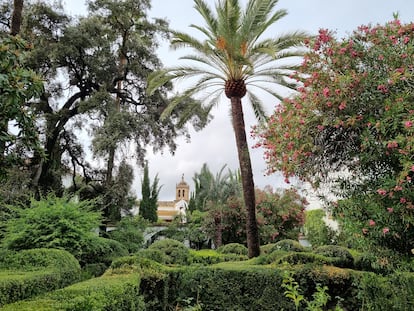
column 101, row 251
column 35, row 259
column 175, row 251
column 113, row 291
column 32, row 272
column 233, row 248
column 288, row 245
column 129, row 232
column 53, row 223
column 343, row 256
column 267, row 248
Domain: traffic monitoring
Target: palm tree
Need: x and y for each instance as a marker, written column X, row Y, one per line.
column 233, row 59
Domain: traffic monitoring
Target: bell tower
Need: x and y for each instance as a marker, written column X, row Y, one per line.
column 182, row 191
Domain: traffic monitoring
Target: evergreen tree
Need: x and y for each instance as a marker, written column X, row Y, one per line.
column 148, row 205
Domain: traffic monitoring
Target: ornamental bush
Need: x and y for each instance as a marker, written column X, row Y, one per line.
column 233, row 248
column 175, row 252
column 53, row 222
column 342, row 254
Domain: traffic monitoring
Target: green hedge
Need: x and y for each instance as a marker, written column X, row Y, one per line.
column 32, row 272
column 115, row 290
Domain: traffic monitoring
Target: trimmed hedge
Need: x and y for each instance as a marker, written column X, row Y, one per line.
column 343, row 257
column 112, row 291
column 171, row 252
column 32, row 272
column 233, row 248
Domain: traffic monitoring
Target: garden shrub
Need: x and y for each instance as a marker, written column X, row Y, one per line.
column 205, row 257
column 267, row 248
column 153, row 254
column 241, row 289
column 129, row 232
column 295, row 258
column 112, row 291
column 209, row 256
column 101, row 251
column 32, row 272
column 58, row 223
column 233, row 248
column 175, row 251
column 288, row 245
column 380, row 293
column 342, row 255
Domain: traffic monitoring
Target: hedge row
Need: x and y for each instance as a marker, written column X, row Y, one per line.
column 28, row 273
column 239, row 286
column 115, row 290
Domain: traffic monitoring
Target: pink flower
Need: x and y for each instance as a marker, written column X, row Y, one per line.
column 406, row 39
column 382, row 192
column 408, row 124
column 320, row 127
column 412, row 168
column 371, row 223
column 385, row 230
column 403, row 200
column 392, row 145
column 342, row 106
column 326, row 92
column 382, row 88
column 390, row 209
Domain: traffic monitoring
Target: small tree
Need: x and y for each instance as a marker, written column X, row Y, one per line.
column 149, row 204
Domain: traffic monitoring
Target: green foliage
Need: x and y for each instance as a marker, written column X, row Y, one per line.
column 195, row 230
column 175, row 251
column 101, row 251
column 53, row 223
column 267, row 248
column 288, row 245
column 344, row 257
column 233, row 248
column 148, row 204
column 280, row 214
column 110, row 292
column 18, row 85
column 39, row 258
column 317, row 231
column 129, row 232
column 320, row 297
column 29, row 273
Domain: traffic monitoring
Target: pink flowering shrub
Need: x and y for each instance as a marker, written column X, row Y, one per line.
column 354, row 112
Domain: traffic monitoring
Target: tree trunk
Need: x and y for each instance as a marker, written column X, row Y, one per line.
column 16, row 20
column 253, row 243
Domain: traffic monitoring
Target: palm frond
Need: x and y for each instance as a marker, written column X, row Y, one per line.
column 258, row 108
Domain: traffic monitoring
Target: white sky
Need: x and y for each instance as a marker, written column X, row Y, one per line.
column 215, row 145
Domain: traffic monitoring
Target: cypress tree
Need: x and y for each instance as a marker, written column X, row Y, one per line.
column 148, row 205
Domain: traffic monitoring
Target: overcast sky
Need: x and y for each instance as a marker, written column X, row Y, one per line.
column 215, row 145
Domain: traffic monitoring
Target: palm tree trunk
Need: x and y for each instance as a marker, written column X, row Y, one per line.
column 253, row 243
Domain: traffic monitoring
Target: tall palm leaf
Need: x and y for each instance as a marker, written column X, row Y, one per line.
column 232, row 59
